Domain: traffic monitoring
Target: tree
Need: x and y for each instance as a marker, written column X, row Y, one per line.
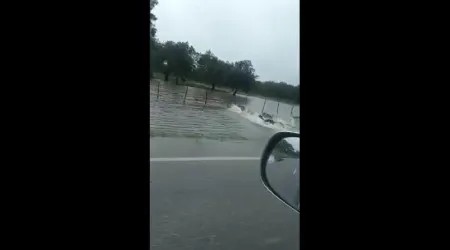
column 180, row 59
column 242, row 76
column 238, row 75
column 153, row 41
column 211, row 69
column 278, row 90
column 153, row 18
column 183, row 61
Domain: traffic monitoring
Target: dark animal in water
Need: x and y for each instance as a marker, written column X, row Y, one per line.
column 269, row 121
column 267, row 118
column 242, row 107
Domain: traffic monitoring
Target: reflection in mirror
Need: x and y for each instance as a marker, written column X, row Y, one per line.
column 282, row 170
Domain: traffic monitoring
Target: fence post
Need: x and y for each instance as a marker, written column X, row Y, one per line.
column 185, row 93
column 206, row 96
column 262, row 111
column 278, row 107
column 157, row 95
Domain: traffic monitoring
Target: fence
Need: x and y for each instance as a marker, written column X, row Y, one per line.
column 278, row 106
column 185, row 95
column 205, row 97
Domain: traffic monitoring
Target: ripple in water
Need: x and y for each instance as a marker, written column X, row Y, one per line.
column 170, row 117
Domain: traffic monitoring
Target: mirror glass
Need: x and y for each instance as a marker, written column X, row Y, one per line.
column 282, row 171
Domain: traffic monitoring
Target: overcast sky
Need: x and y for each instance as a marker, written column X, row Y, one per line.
column 265, row 32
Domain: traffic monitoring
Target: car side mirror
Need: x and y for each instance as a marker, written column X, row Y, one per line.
column 280, row 168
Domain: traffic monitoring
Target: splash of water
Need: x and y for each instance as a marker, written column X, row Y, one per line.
column 280, row 125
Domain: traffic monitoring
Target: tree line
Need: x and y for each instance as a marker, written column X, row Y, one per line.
column 182, row 61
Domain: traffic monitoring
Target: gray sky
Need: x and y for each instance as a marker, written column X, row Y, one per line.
column 265, row 32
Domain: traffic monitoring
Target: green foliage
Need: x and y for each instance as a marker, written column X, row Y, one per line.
column 278, row 90
column 211, row 69
column 153, row 18
column 153, row 40
column 178, row 56
column 183, row 61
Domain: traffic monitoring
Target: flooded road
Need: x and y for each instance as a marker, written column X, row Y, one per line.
column 214, row 204
column 214, row 115
column 219, row 205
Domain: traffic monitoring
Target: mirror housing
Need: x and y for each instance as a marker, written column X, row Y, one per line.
column 276, row 151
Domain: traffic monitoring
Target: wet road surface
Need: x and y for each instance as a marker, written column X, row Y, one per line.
column 212, row 204
column 217, row 205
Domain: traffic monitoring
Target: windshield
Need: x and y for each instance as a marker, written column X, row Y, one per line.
column 224, row 79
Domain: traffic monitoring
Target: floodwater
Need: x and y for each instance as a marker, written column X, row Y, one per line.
column 215, row 115
column 211, row 204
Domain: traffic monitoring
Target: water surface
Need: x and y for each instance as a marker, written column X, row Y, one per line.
column 214, row 115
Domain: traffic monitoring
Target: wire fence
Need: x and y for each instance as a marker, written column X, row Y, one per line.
column 201, row 97
column 185, row 95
